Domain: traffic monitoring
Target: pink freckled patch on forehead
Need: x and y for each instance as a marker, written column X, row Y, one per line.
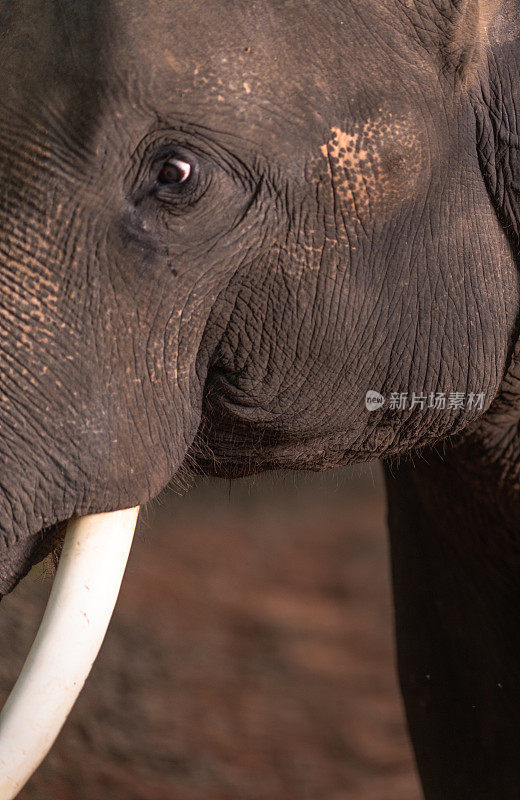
column 374, row 166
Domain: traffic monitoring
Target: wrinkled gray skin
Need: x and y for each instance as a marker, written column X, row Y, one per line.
column 350, row 222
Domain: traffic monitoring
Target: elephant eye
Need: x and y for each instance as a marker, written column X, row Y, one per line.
column 175, row 172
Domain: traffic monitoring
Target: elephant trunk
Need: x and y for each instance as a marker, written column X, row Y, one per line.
column 70, row 635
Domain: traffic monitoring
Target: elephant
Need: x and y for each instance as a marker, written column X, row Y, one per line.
column 247, row 235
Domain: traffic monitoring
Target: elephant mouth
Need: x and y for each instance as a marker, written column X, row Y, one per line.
column 26, row 553
column 50, row 542
column 83, row 596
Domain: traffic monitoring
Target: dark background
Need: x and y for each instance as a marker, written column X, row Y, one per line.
column 250, row 656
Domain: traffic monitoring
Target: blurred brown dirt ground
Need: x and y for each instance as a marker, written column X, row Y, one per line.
column 250, row 656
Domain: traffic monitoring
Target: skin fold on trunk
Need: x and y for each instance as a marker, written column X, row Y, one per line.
column 80, row 606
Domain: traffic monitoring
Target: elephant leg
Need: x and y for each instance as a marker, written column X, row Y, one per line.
column 456, row 577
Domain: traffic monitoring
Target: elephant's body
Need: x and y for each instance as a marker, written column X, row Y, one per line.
column 221, row 225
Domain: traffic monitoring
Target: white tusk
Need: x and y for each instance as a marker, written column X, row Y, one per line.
column 72, row 630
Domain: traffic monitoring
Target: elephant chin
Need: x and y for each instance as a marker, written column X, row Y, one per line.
column 72, row 630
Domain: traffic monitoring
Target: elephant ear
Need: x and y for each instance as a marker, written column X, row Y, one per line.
column 456, row 30
column 496, row 100
column 464, row 25
column 497, row 106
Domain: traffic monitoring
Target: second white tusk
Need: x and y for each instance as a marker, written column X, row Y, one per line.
column 72, row 630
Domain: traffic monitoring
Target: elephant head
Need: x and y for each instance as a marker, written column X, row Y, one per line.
column 225, row 226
